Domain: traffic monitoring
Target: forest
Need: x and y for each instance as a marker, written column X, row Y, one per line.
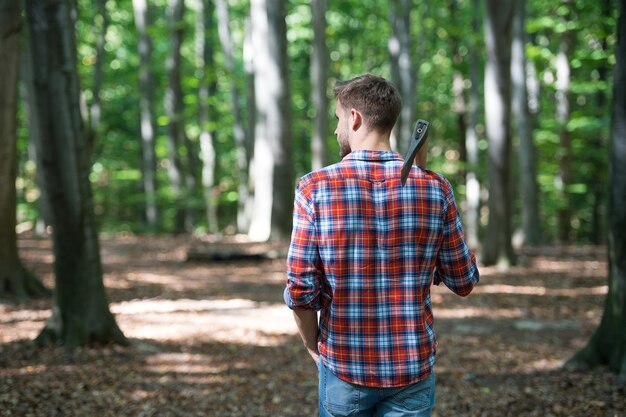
column 188, row 71
column 149, row 151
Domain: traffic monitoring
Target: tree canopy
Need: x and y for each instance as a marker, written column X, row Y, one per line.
column 357, row 40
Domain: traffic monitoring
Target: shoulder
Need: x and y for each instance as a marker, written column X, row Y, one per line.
column 319, row 177
column 435, row 179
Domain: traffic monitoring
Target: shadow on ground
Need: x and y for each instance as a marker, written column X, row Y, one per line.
column 213, row 339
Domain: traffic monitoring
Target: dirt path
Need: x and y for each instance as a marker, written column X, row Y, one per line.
column 214, row 339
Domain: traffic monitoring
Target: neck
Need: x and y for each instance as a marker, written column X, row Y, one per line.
column 372, row 141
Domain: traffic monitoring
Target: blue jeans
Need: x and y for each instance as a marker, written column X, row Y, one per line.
column 342, row 399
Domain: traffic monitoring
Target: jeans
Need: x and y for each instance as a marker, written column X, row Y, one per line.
column 338, row 398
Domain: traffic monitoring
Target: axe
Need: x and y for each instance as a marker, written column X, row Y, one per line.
column 420, row 134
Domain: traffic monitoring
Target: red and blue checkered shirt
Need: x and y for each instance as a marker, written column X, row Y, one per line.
column 364, row 251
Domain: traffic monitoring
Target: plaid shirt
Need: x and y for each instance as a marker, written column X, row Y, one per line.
column 365, row 251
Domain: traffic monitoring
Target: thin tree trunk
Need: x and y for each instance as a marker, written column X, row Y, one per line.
column 173, row 110
column 564, row 177
column 498, row 30
column 529, row 190
column 472, row 185
column 81, row 313
column 147, row 122
column 239, row 132
column 608, row 343
column 246, row 193
column 273, row 166
column 280, row 126
column 458, row 84
column 184, row 181
column 402, row 70
column 319, row 85
column 205, row 64
column 15, row 281
column 598, row 216
column 93, row 113
column 194, row 163
column 32, row 121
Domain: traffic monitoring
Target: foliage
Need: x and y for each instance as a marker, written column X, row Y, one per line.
column 357, row 36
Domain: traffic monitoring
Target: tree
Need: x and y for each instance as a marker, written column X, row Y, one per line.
column 174, row 111
column 30, row 119
column 247, row 191
column 472, row 184
column 147, row 123
column 402, row 71
column 239, row 132
column 498, row 32
column 563, row 111
column 319, row 85
column 466, row 110
column 599, row 141
column 529, row 190
column 206, row 89
column 80, row 313
column 272, row 166
column 93, row 113
column 15, row 280
column 608, row 343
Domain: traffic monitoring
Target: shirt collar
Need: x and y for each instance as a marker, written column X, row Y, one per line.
column 368, row 155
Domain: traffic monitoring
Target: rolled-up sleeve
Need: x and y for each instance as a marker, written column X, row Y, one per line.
column 456, row 264
column 304, row 267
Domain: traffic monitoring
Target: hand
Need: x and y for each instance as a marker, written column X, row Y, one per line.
column 422, row 155
column 437, row 278
column 306, row 320
column 315, row 355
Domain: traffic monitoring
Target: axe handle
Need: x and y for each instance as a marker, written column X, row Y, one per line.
column 422, row 155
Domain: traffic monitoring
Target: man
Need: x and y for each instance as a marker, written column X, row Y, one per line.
column 364, row 252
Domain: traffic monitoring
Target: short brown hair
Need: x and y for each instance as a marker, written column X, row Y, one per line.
column 376, row 98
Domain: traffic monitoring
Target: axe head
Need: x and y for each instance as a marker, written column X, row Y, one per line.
column 420, row 133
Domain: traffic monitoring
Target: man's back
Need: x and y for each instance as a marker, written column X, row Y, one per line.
column 371, row 245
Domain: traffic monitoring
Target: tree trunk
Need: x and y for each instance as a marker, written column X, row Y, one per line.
column 93, row 113
column 273, row 168
column 174, row 112
column 81, row 313
column 472, row 185
column 30, row 119
column 599, row 141
column 458, row 83
column 529, row 190
column 498, row 29
column 247, row 195
column 564, row 177
column 402, row 70
column 204, row 66
column 15, row 281
column 239, row 132
column 608, row 344
column 466, row 111
column 147, row 122
column 319, row 85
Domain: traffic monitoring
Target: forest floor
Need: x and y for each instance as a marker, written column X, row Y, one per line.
column 211, row 337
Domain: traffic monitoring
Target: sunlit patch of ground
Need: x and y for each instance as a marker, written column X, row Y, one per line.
column 212, row 338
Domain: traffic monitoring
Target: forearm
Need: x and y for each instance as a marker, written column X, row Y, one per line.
column 306, row 320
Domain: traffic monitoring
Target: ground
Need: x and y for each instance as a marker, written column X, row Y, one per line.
column 211, row 337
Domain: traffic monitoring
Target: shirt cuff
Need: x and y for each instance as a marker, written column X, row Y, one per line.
column 287, row 298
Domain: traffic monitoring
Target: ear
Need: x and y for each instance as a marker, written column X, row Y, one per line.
column 356, row 119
